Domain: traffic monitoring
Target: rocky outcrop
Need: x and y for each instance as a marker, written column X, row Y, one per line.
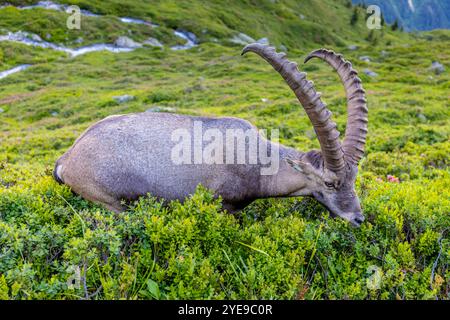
column 242, row 39
column 370, row 73
column 123, row 99
column 437, row 67
column 125, row 42
column 153, row 42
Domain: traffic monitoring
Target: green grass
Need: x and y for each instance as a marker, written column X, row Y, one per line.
column 275, row 249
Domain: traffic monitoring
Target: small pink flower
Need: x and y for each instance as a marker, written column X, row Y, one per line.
column 393, row 179
column 379, row 180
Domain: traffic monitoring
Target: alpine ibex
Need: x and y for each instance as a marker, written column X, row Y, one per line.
column 124, row 157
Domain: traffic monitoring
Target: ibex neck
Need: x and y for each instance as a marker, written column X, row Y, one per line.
column 285, row 181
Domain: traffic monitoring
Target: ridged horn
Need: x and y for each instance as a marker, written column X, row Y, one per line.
column 316, row 110
column 357, row 112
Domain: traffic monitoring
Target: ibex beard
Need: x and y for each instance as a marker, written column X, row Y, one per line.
column 124, row 157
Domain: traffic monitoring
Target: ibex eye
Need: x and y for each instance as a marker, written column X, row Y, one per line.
column 329, row 184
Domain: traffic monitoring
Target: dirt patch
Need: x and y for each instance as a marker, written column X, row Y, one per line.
column 17, row 97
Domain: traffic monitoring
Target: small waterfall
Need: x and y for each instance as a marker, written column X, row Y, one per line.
column 191, row 40
column 36, row 41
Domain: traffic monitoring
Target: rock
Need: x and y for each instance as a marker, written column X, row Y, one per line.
column 1, row 110
column 301, row 16
column 265, row 100
column 21, row 36
column 364, row 58
column 125, row 42
column 54, row 114
column 437, row 67
column 370, row 73
column 48, row 36
column 35, row 37
column 352, row 47
column 124, row 98
column 79, row 40
column 161, row 109
column 283, row 48
column 384, row 53
column 263, row 41
column 242, row 39
column 422, row 117
column 153, row 42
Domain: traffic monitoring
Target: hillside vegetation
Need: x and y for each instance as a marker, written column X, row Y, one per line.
column 275, row 248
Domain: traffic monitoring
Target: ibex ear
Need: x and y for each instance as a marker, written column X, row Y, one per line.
column 302, row 166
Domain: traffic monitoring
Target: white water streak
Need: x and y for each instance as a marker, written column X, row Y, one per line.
column 4, row 74
column 190, row 40
column 35, row 41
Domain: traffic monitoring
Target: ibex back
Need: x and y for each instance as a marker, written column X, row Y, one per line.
column 123, row 157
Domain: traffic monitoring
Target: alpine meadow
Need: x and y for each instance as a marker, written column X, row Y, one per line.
column 60, row 75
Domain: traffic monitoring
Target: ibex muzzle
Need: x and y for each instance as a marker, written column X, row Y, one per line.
column 127, row 156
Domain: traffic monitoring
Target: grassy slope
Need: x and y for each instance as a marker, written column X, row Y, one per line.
column 324, row 22
column 195, row 251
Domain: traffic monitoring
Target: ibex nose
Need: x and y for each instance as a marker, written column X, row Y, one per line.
column 358, row 220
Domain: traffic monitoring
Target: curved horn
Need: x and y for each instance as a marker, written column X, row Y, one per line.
column 316, row 110
column 356, row 131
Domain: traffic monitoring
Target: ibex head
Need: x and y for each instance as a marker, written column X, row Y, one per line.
column 331, row 172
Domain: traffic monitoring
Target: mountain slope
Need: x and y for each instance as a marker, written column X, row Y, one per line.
column 56, row 245
column 291, row 23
